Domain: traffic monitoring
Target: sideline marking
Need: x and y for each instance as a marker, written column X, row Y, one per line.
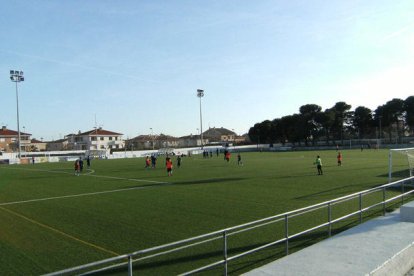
column 160, row 184
column 85, row 194
column 60, row 232
column 93, row 175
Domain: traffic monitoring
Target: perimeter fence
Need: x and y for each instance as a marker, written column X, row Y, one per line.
column 240, row 248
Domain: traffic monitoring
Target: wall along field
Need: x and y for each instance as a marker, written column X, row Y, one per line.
column 52, row 219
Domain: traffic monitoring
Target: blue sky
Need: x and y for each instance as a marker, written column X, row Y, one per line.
column 136, row 65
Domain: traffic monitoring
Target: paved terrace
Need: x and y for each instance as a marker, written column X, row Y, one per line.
column 382, row 246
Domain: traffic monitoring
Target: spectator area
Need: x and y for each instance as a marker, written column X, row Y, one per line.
column 382, row 246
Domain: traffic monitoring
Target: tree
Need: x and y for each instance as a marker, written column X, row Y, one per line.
column 254, row 133
column 309, row 125
column 337, row 122
column 363, row 121
column 342, row 118
column 409, row 112
column 380, row 120
column 393, row 111
column 261, row 132
column 266, row 131
column 277, row 131
column 326, row 120
column 290, row 126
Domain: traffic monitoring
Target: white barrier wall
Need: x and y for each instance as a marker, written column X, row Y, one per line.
column 57, row 156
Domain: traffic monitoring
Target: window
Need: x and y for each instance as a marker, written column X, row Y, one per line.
column 101, row 138
column 93, row 138
column 110, row 138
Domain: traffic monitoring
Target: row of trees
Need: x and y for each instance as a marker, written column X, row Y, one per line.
column 392, row 120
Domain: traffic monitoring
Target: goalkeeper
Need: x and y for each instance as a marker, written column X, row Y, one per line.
column 318, row 163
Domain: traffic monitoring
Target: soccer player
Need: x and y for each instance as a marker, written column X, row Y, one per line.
column 318, row 163
column 339, row 157
column 169, row 165
column 227, row 156
column 80, row 164
column 88, row 161
column 77, row 167
column 147, row 162
column 153, row 161
column 178, row 161
column 239, row 161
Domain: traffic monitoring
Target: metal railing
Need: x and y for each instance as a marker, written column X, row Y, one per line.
column 400, row 189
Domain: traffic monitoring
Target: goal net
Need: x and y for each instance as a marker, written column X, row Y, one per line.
column 398, row 166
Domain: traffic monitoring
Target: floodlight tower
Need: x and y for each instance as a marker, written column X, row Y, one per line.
column 16, row 77
column 200, row 94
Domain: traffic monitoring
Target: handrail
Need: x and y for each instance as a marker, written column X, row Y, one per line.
column 224, row 233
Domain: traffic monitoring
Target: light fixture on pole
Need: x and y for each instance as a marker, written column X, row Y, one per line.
column 200, row 94
column 17, row 76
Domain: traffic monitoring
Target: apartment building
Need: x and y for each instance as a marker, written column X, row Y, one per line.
column 96, row 139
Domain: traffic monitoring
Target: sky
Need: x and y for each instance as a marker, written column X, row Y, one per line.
column 134, row 67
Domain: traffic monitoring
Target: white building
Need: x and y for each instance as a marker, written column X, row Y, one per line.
column 97, row 139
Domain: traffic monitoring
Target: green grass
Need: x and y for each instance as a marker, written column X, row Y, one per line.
column 147, row 208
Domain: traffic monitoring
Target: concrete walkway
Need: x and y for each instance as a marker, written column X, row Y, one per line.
column 382, row 246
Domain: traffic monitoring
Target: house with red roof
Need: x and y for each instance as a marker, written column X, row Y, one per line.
column 96, row 139
column 9, row 140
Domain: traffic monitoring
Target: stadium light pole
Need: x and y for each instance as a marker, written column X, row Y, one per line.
column 200, row 94
column 17, row 76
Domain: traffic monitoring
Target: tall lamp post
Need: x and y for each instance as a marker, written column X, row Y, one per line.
column 200, row 94
column 17, row 76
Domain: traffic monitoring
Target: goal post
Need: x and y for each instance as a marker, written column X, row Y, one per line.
column 409, row 153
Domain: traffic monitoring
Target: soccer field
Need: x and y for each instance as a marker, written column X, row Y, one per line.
column 52, row 219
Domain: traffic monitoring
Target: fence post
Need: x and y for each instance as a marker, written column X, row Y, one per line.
column 287, row 234
column 360, row 208
column 225, row 252
column 329, row 219
column 383, row 201
column 129, row 265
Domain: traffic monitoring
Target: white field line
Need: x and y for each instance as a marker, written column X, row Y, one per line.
column 90, row 173
column 92, row 193
column 60, row 232
column 80, row 195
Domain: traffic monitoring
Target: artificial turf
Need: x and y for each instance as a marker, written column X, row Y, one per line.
column 52, row 219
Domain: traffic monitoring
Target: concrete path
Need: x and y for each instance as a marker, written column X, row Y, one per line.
column 382, row 246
